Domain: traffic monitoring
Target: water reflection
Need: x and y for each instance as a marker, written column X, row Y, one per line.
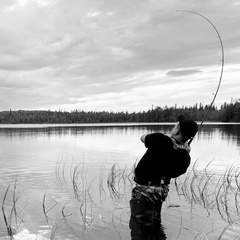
column 11, row 132
column 207, row 130
column 231, row 132
column 226, row 132
column 30, row 154
column 117, row 139
column 146, row 230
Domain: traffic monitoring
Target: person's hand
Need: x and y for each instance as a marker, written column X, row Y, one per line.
column 188, row 148
column 143, row 138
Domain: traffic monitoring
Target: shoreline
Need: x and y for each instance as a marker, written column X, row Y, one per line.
column 129, row 124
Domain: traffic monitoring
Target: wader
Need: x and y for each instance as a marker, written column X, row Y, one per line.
column 146, row 204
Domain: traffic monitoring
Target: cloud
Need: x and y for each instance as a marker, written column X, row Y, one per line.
column 81, row 54
column 183, row 72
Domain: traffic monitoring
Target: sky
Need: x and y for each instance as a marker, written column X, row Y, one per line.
column 117, row 55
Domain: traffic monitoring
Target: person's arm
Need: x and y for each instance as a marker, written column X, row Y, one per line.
column 143, row 137
column 153, row 140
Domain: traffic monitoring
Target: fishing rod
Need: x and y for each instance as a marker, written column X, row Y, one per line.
column 221, row 73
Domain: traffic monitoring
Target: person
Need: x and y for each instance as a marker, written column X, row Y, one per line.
column 166, row 157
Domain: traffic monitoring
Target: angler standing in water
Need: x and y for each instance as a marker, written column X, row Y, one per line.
column 166, row 157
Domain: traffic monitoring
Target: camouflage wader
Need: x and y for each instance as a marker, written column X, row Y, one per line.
column 146, row 202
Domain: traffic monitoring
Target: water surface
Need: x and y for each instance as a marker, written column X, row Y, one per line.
column 60, row 175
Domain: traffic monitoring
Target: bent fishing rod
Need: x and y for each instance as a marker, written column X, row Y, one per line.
column 221, row 73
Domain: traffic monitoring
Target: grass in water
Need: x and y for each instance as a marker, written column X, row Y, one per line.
column 96, row 206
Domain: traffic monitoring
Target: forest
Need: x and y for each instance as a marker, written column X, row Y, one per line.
column 228, row 112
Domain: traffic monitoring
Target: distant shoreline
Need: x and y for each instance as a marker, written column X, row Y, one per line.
column 51, row 125
column 228, row 113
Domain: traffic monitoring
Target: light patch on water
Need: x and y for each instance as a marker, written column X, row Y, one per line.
column 26, row 235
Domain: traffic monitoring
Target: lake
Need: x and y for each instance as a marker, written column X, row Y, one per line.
column 75, row 181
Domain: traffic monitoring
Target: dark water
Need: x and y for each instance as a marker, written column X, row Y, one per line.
column 62, row 185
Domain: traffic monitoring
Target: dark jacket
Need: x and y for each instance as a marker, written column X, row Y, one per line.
column 161, row 159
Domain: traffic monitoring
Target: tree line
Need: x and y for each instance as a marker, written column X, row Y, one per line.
column 228, row 112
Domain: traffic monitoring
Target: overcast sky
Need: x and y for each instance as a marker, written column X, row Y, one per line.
column 116, row 55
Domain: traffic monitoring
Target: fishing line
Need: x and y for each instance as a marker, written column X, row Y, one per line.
column 221, row 73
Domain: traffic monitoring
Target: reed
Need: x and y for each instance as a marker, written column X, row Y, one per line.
column 13, row 212
column 204, row 187
column 86, row 196
column 7, row 220
column 212, row 190
column 58, row 224
column 60, row 174
column 45, row 209
column 13, row 220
